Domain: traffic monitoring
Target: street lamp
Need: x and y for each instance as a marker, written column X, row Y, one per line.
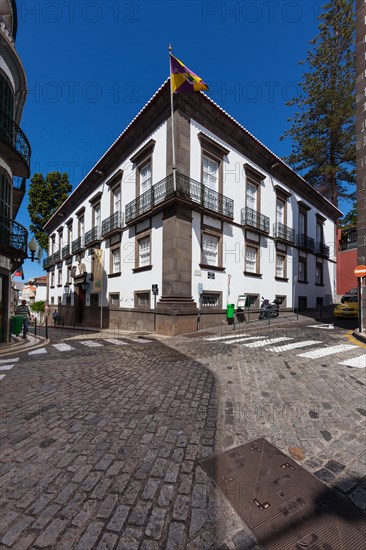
column 32, row 245
column 67, row 289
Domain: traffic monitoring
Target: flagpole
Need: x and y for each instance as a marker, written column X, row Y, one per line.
column 174, row 168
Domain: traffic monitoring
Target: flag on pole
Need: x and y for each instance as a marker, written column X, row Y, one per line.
column 19, row 273
column 183, row 79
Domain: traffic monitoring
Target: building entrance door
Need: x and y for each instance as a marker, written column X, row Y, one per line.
column 79, row 305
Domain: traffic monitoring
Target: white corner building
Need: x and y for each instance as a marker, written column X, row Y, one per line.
column 141, row 246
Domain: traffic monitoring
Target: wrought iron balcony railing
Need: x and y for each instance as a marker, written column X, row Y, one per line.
column 11, row 134
column 348, row 245
column 94, row 235
column 57, row 255
column 77, row 245
column 305, row 242
column 186, row 189
column 66, row 250
column 254, row 219
column 281, row 231
column 13, row 237
column 115, row 221
column 322, row 250
column 48, row 261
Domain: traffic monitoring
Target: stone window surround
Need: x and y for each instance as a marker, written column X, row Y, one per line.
column 138, row 293
column 111, row 250
column 142, row 235
column 214, row 232
column 213, row 150
column 110, row 299
column 140, row 159
column 257, row 247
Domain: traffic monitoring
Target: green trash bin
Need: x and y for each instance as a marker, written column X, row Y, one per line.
column 16, row 325
column 230, row 312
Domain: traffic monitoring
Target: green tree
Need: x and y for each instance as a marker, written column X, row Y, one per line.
column 45, row 196
column 38, row 306
column 323, row 126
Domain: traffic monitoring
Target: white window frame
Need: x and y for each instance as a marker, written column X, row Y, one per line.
column 116, row 260
column 251, row 260
column 144, row 251
column 280, row 265
column 210, row 173
column 210, row 249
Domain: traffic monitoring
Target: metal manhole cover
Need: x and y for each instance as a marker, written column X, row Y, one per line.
column 286, row 507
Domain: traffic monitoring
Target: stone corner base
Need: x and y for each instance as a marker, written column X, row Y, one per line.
column 173, row 325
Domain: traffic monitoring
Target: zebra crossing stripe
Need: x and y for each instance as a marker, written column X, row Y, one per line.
column 227, row 337
column 63, row 347
column 323, row 352
column 12, row 360
column 357, row 362
column 6, row 367
column 2, row 376
column 115, row 341
column 294, row 345
column 91, row 344
column 266, row 342
column 37, row 351
column 240, row 340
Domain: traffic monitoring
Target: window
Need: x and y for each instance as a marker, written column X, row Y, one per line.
column 251, row 196
column 144, row 251
column 81, row 227
column 96, row 215
column 94, row 299
column 68, row 274
column 280, row 266
column 52, row 244
column 281, row 299
column 114, row 299
column 210, row 249
column 210, row 173
column 59, row 277
column 52, row 279
column 69, row 234
column 5, row 194
column 115, row 260
column 280, row 211
column 211, row 299
column 302, row 223
column 145, row 178
column 319, row 232
column 318, row 272
column 251, row 300
column 251, row 257
column 60, row 234
column 116, row 200
column 302, row 269
column 59, row 300
column 142, row 298
column 52, row 301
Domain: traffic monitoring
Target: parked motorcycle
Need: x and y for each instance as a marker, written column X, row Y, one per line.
column 269, row 309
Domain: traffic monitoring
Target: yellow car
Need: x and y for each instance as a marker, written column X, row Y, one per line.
column 348, row 309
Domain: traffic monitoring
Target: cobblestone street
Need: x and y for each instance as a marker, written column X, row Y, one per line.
column 100, row 438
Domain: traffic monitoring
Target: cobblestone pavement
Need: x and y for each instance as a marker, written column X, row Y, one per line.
column 99, row 444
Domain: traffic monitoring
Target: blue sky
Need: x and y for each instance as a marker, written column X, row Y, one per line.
column 92, row 65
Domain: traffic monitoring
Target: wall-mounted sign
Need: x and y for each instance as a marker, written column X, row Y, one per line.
column 210, row 275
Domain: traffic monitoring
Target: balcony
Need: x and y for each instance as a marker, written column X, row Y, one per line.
column 254, row 220
column 13, row 239
column 283, row 233
column 305, row 242
column 57, row 256
column 93, row 236
column 322, row 250
column 77, row 245
column 66, row 251
column 48, row 261
column 187, row 190
column 14, row 146
column 114, row 223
